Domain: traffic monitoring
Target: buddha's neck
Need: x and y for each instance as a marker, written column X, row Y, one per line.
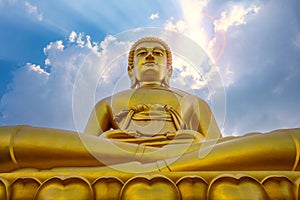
column 150, row 84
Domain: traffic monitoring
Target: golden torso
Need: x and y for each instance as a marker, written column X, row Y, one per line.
column 151, row 107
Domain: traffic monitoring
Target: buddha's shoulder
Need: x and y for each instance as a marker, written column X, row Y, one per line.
column 183, row 93
column 124, row 95
column 121, row 94
column 115, row 97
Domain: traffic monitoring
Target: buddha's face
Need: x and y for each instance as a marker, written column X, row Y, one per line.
column 150, row 62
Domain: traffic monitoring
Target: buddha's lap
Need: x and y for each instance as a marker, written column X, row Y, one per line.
column 28, row 144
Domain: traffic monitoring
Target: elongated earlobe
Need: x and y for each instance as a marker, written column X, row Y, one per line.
column 132, row 79
column 134, row 83
column 165, row 82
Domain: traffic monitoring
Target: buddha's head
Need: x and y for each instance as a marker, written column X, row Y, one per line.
column 150, row 62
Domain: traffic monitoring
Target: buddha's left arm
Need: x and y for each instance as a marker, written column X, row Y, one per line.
column 100, row 119
column 207, row 122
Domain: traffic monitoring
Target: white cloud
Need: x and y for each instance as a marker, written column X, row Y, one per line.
column 47, row 62
column 21, row 7
column 179, row 25
column 264, row 59
column 72, row 36
column 185, row 75
column 54, row 46
column 193, row 11
column 108, row 40
column 154, row 16
column 36, row 68
column 191, row 23
column 33, row 11
column 235, row 17
column 212, row 42
column 80, row 40
column 40, row 98
column 194, row 17
column 26, row 96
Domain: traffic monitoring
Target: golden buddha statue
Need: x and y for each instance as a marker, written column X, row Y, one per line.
column 151, row 109
column 151, row 126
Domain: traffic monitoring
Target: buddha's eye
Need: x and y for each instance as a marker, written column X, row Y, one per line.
column 158, row 53
column 141, row 53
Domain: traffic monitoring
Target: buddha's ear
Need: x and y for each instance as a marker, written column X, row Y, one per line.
column 166, row 80
column 168, row 76
column 132, row 78
column 169, row 73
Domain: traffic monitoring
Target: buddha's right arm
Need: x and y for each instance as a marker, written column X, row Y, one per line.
column 100, row 119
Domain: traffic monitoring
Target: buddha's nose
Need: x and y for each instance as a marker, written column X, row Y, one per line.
column 149, row 56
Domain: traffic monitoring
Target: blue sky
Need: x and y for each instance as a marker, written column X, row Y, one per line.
column 47, row 46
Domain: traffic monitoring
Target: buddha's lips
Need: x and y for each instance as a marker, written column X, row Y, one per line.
column 149, row 64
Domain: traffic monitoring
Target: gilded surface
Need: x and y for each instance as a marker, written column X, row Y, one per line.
column 153, row 142
column 203, row 185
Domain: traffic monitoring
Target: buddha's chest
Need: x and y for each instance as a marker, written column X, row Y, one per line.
column 149, row 97
column 154, row 97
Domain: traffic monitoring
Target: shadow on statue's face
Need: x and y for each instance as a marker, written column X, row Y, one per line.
column 150, row 62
